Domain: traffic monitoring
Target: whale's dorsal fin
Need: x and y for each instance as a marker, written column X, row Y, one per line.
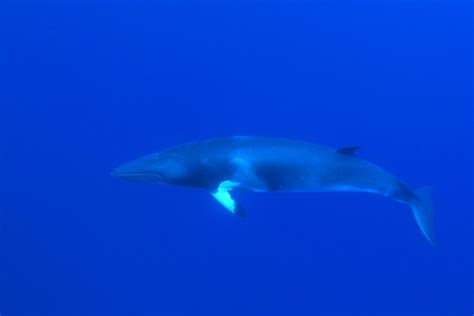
column 222, row 195
column 348, row 150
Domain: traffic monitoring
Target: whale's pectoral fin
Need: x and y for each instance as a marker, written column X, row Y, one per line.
column 222, row 194
column 348, row 150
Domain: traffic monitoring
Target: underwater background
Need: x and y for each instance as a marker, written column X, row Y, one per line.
column 86, row 86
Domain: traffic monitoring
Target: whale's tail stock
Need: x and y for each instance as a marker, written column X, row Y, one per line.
column 423, row 210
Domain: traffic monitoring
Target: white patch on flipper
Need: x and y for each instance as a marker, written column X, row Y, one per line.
column 223, row 196
column 225, row 199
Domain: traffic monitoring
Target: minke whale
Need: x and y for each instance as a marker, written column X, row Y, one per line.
column 273, row 165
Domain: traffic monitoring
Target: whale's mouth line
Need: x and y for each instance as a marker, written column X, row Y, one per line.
column 138, row 175
column 132, row 173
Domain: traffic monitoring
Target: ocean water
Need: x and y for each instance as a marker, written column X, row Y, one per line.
column 86, row 86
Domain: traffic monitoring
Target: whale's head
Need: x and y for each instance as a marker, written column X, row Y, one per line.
column 160, row 168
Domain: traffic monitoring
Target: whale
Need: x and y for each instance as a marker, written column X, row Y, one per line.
column 263, row 164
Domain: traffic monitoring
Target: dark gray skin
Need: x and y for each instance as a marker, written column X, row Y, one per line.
column 272, row 164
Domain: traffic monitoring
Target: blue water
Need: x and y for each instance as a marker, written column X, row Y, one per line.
column 85, row 87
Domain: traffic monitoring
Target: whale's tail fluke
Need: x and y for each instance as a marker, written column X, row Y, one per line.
column 423, row 211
